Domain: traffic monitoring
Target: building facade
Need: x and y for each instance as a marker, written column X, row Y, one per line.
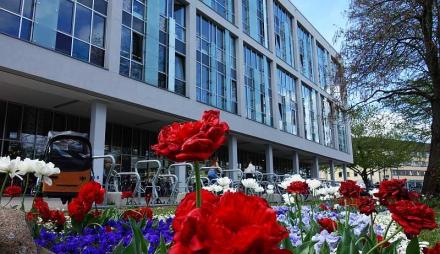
column 119, row 70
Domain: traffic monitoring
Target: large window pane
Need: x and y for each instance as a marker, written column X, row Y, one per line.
column 81, row 50
column 2, row 117
column 26, row 27
column 11, row 5
column 83, row 21
column 65, row 16
column 13, row 122
column 97, row 56
column 46, row 23
column 28, row 8
column 9, row 23
column 101, row 6
column 86, row 2
column 137, row 51
column 180, row 68
column 98, row 30
column 124, row 68
column 125, row 42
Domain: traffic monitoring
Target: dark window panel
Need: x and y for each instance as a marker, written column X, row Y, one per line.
column 137, row 49
column 65, row 16
column 86, row 2
column 126, row 140
column 29, row 124
column 59, row 122
column 72, row 123
column 81, row 50
column 83, row 21
column 12, row 149
column 138, row 25
column 97, row 56
column 101, row 6
column 28, row 8
column 2, row 117
column 63, row 43
column 13, row 121
column 125, row 42
column 9, row 23
column 98, row 35
column 26, row 28
column 138, row 10
column 126, row 5
column 136, row 71
column 126, row 19
column 162, row 80
column 11, row 5
column 124, row 68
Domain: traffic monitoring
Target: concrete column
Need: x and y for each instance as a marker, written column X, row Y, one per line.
column 241, row 94
column 344, row 171
column 269, row 159
column 113, row 36
column 181, row 178
column 233, row 154
column 295, row 160
column 332, row 171
column 98, row 119
column 270, row 26
column 315, row 168
column 191, row 54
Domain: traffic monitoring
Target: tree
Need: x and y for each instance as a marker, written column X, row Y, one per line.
column 377, row 144
column 392, row 50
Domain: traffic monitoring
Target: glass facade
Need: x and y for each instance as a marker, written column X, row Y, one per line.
column 310, row 113
column 163, row 38
column 323, row 68
column 327, row 121
column 224, row 8
column 283, row 34
column 287, row 103
column 342, row 131
column 75, row 28
column 216, row 66
column 305, row 42
column 258, row 91
column 254, row 20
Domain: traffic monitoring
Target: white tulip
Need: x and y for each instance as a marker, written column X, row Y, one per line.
column 313, row 183
column 229, row 190
column 224, row 181
column 44, row 171
column 286, row 182
column 259, row 189
column 288, row 199
column 249, row 183
column 217, row 188
column 26, row 166
column 270, row 187
column 269, row 191
column 10, row 167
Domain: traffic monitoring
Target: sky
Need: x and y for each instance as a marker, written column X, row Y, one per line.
column 326, row 15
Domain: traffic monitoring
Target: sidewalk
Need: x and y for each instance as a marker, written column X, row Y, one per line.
column 54, row 203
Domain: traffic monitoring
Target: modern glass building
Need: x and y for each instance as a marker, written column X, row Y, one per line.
column 120, row 70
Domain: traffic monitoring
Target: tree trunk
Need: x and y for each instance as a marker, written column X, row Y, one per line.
column 431, row 182
column 364, row 176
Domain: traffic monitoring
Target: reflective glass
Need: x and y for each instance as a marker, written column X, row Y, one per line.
column 124, row 68
column 65, row 16
column 9, row 23
column 63, row 43
column 28, row 8
column 180, row 68
column 2, row 117
column 126, row 5
column 137, row 51
column 125, row 42
column 46, row 22
column 13, row 122
column 138, row 9
column 98, row 34
column 97, row 56
column 83, row 21
column 26, row 28
column 80, row 50
column 100, row 6
column 138, row 25
column 11, row 5
column 126, row 19
column 86, row 2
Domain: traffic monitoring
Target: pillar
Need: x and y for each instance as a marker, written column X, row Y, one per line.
column 180, row 172
column 315, row 168
column 113, row 36
column 98, row 118
column 269, row 159
column 171, row 55
column 191, row 49
column 295, row 160
column 332, row 171
column 233, row 154
column 344, row 171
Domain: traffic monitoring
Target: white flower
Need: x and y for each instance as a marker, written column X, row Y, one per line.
column 286, row 182
column 249, row 183
column 313, row 183
column 361, row 184
column 224, row 181
column 259, row 189
column 10, row 167
column 332, row 190
column 26, row 166
column 269, row 191
column 229, row 190
column 321, row 191
column 270, row 187
column 208, row 188
column 43, row 171
column 288, row 199
column 217, row 188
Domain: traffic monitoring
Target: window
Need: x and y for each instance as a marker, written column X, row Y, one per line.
column 216, row 66
column 9, row 23
column 305, row 41
column 254, row 20
column 287, row 106
column 283, row 34
column 310, row 113
column 327, row 121
column 340, row 174
column 323, row 68
column 257, row 87
column 224, row 8
column 342, row 131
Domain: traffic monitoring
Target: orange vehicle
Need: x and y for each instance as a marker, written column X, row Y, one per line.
column 71, row 152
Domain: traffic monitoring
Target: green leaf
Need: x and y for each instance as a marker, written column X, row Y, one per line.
column 325, row 249
column 287, row 244
column 347, row 244
column 392, row 249
column 162, row 248
column 305, row 248
column 413, row 246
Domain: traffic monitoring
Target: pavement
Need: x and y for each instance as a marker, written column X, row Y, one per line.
column 54, row 203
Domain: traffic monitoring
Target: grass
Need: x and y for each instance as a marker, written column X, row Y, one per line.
column 164, row 210
column 432, row 236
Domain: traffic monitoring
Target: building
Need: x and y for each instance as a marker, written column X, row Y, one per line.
column 119, row 70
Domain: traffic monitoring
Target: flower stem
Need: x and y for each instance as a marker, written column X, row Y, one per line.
column 383, row 241
column 387, row 229
column 24, row 192
column 198, row 185
column 3, row 187
column 298, row 207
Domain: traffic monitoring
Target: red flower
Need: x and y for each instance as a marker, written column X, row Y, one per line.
column 188, row 204
column 96, row 213
column 108, row 229
column 395, row 190
column 192, row 141
column 380, row 239
column 247, row 223
column 298, row 187
column 324, row 207
column 412, row 216
column 58, row 217
column 138, row 214
column 42, row 208
column 366, row 205
column 349, row 189
column 92, row 192
column 434, row 250
column 12, row 191
column 78, row 209
column 328, row 224
column 30, row 216
column 126, row 194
